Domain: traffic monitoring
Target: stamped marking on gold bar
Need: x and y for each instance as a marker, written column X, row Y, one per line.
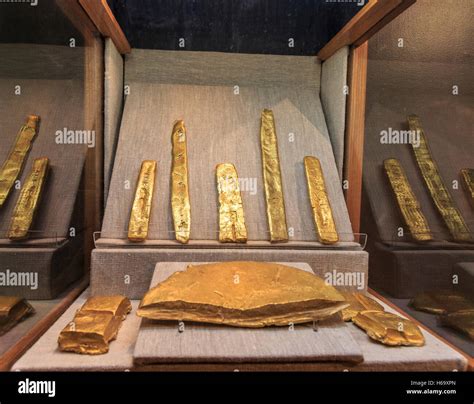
column 180, row 204
column 231, row 211
column 407, row 202
column 439, row 193
column 12, row 166
column 28, row 201
column 467, row 175
column 272, row 178
column 322, row 212
column 141, row 208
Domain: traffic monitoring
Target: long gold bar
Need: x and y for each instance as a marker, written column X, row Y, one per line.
column 272, row 178
column 12, row 166
column 322, row 212
column 28, row 201
column 231, row 211
column 407, row 202
column 467, row 175
column 13, row 309
column 358, row 302
column 141, row 208
column 180, row 204
column 439, row 193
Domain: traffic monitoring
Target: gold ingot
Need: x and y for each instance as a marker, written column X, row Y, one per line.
column 13, row 165
column 462, row 321
column 467, row 175
column 322, row 212
column 407, row 202
column 358, row 302
column 439, row 193
column 242, row 294
column 231, row 211
column 95, row 325
column 180, row 204
column 272, row 178
column 13, row 309
column 441, row 302
column 28, row 201
column 141, row 208
column 389, row 329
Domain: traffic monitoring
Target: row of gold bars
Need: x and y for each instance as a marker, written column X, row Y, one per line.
column 232, row 228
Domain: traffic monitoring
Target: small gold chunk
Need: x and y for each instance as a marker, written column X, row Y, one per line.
column 272, row 178
column 12, row 166
column 358, row 302
column 322, row 212
column 231, row 211
column 13, row 309
column 180, row 204
column 118, row 306
column 441, row 302
column 141, row 208
column 389, row 329
column 407, row 202
column 439, row 193
column 467, row 175
column 28, row 201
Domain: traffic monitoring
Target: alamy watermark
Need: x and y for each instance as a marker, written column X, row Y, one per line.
column 69, row 136
column 26, row 279
column 245, row 185
column 393, row 136
column 353, row 279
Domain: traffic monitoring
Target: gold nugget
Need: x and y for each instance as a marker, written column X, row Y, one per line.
column 389, row 329
column 462, row 321
column 95, row 325
column 28, row 200
column 231, row 211
column 13, row 310
column 467, row 175
column 242, row 294
column 439, row 193
column 358, row 302
column 180, row 205
column 441, row 302
column 141, row 208
column 272, row 178
column 408, row 204
column 12, row 166
column 322, row 212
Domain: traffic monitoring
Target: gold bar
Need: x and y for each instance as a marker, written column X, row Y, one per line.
column 13, row 310
column 462, row 321
column 242, row 294
column 389, row 329
column 118, row 306
column 322, row 212
column 12, row 166
column 272, row 178
column 231, row 211
column 141, row 208
column 28, row 201
column 358, row 302
column 439, row 193
column 408, row 204
column 467, row 175
column 180, row 204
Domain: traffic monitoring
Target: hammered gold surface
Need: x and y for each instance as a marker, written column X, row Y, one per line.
column 141, row 208
column 441, row 302
column 407, row 202
column 358, row 302
column 462, row 321
column 322, row 212
column 439, row 193
column 467, row 175
column 118, row 306
column 232, row 227
column 276, row 214
column 28, row 201
column 242, row 294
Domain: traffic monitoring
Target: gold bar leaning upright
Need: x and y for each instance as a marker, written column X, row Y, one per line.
column 28, row 200
column 272, row 178
column 439, row 193
column 407, row 202
column 141, row 208
column 231, row 211
column 180, row 205
column 13, row 164
column 467, row 175
column 319, row 200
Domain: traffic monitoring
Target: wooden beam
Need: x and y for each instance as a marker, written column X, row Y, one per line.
column 372, row 17
column 355, row 128
column 101, row 15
